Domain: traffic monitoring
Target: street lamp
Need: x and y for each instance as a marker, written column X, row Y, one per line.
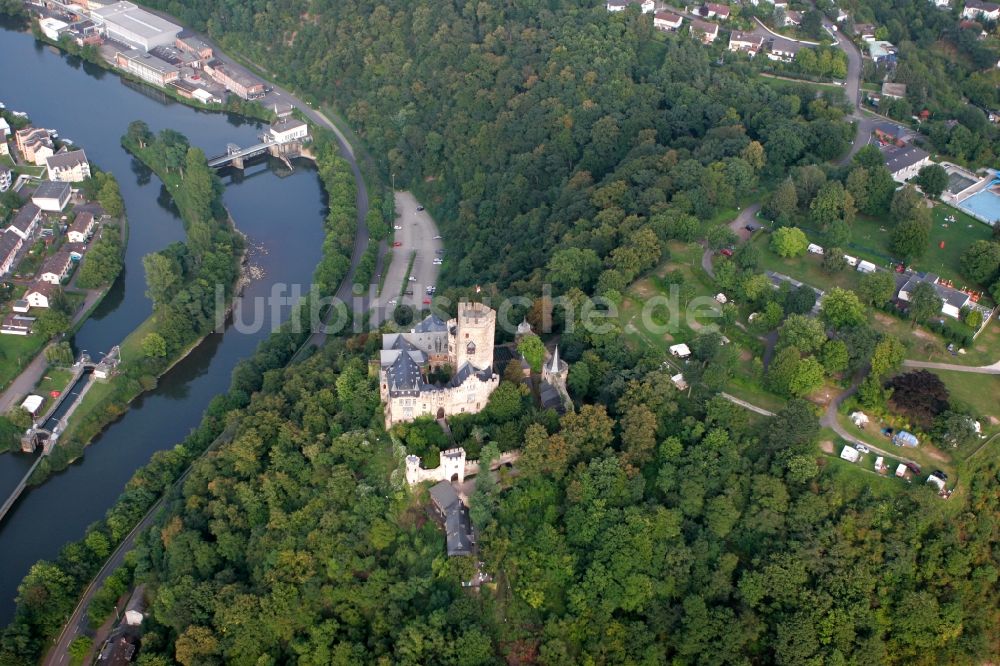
column 393, row 182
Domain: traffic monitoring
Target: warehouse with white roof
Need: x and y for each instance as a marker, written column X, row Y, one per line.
column 125, row 22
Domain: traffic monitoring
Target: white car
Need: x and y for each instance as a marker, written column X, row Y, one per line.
column 396, row 227
column 392, row 301
column 412, row 279
column 437, row 262
column 438, row 237
column 862, row 448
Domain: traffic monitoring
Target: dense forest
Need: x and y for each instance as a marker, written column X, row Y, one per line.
column 651, row 528
column 550, row 122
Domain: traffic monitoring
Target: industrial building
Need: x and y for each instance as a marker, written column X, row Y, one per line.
column 125, row 22
column 147, row 67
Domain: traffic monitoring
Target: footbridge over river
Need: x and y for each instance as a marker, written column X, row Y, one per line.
column 237, row 157
column 45, row 431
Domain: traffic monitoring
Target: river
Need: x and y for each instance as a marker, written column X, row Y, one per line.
column 282, row 217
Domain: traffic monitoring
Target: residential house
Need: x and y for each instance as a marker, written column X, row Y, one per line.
column 147, row 67
column 40, row 294
column 783, row 50
column 989, row 11
column 459, row 536
column 52, row 195
column 4, row 133
column 941, row 4
column 289, row 129
column 34, row 144
column 667, row 21
column 974, row 26
column 68, row 166
column 952, row 300
column 746, row 42
column 5, row 178
column 793, row 17
column 842, row 16
column 780, row 4
column 647, row 6
column 894, row 90
column 56, row 268
column 9, row 245
column 905, row 162
column 714, row 10
column 25, row 221
column 82, row 228
column 705, row 31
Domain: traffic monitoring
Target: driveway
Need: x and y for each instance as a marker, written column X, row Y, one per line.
column 416, row 238
column 829, row 420
column 739, row 227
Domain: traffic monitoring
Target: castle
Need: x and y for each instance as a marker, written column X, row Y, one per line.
column 464, row 343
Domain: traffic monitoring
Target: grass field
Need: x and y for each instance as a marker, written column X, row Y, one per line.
column 808, row 268
column 15, row 353
column 978, row 393
column 872, row 237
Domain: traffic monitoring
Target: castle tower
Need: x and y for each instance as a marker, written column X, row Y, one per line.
column 471, row 335
column 412, row 469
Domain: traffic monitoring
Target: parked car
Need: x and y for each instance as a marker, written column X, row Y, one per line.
column 727, row 252
column 420, row 207
column 392, row 301
column 749, row 227
column 412, row 279
column 438, row 262
column 408, row 292
column 913, row 467
column 862, row 448
column 397, row 244
column 396, row 227
column 438, row 237
column 939, row 474
column 427, row 301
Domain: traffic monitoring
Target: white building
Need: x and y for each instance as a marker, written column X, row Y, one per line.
column 667, row 21
column 52, row 28
column 10, row 243
column 82, row 228
column 289, row 129
column 705, row 31
column 5, row 178
column 25, row 221
column 56, row 268
column 40, row 294
column 680, row 351
column 68, row 166
column 125, row 22
column 952, row 300
column 51, row 196
column 975, row 9
column 647, row 6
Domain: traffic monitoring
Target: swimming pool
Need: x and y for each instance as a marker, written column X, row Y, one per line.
column 984, row 204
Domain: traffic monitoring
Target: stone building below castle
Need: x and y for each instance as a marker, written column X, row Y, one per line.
column 464, row 344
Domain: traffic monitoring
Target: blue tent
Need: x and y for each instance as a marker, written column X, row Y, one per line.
column 904, row 438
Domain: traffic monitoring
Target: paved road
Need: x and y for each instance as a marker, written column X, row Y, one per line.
column 416, row 237
column 34, row 371
column 747, row 216
column 78, row 623
column 829, row 420
column 743, row 403
column 982, row 369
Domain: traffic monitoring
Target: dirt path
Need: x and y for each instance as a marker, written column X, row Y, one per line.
column 981, row 370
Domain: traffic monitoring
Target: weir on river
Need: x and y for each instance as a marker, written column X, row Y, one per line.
column 284, row 216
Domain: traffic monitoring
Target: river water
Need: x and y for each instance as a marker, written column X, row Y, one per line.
column 282, row 215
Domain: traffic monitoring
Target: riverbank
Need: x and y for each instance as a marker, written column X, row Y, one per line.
column 162, row 340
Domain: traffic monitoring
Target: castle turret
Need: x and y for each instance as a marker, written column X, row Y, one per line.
column 471, row 336
column 412, row 469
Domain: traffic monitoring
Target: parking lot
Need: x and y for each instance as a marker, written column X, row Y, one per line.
column 416, row 238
